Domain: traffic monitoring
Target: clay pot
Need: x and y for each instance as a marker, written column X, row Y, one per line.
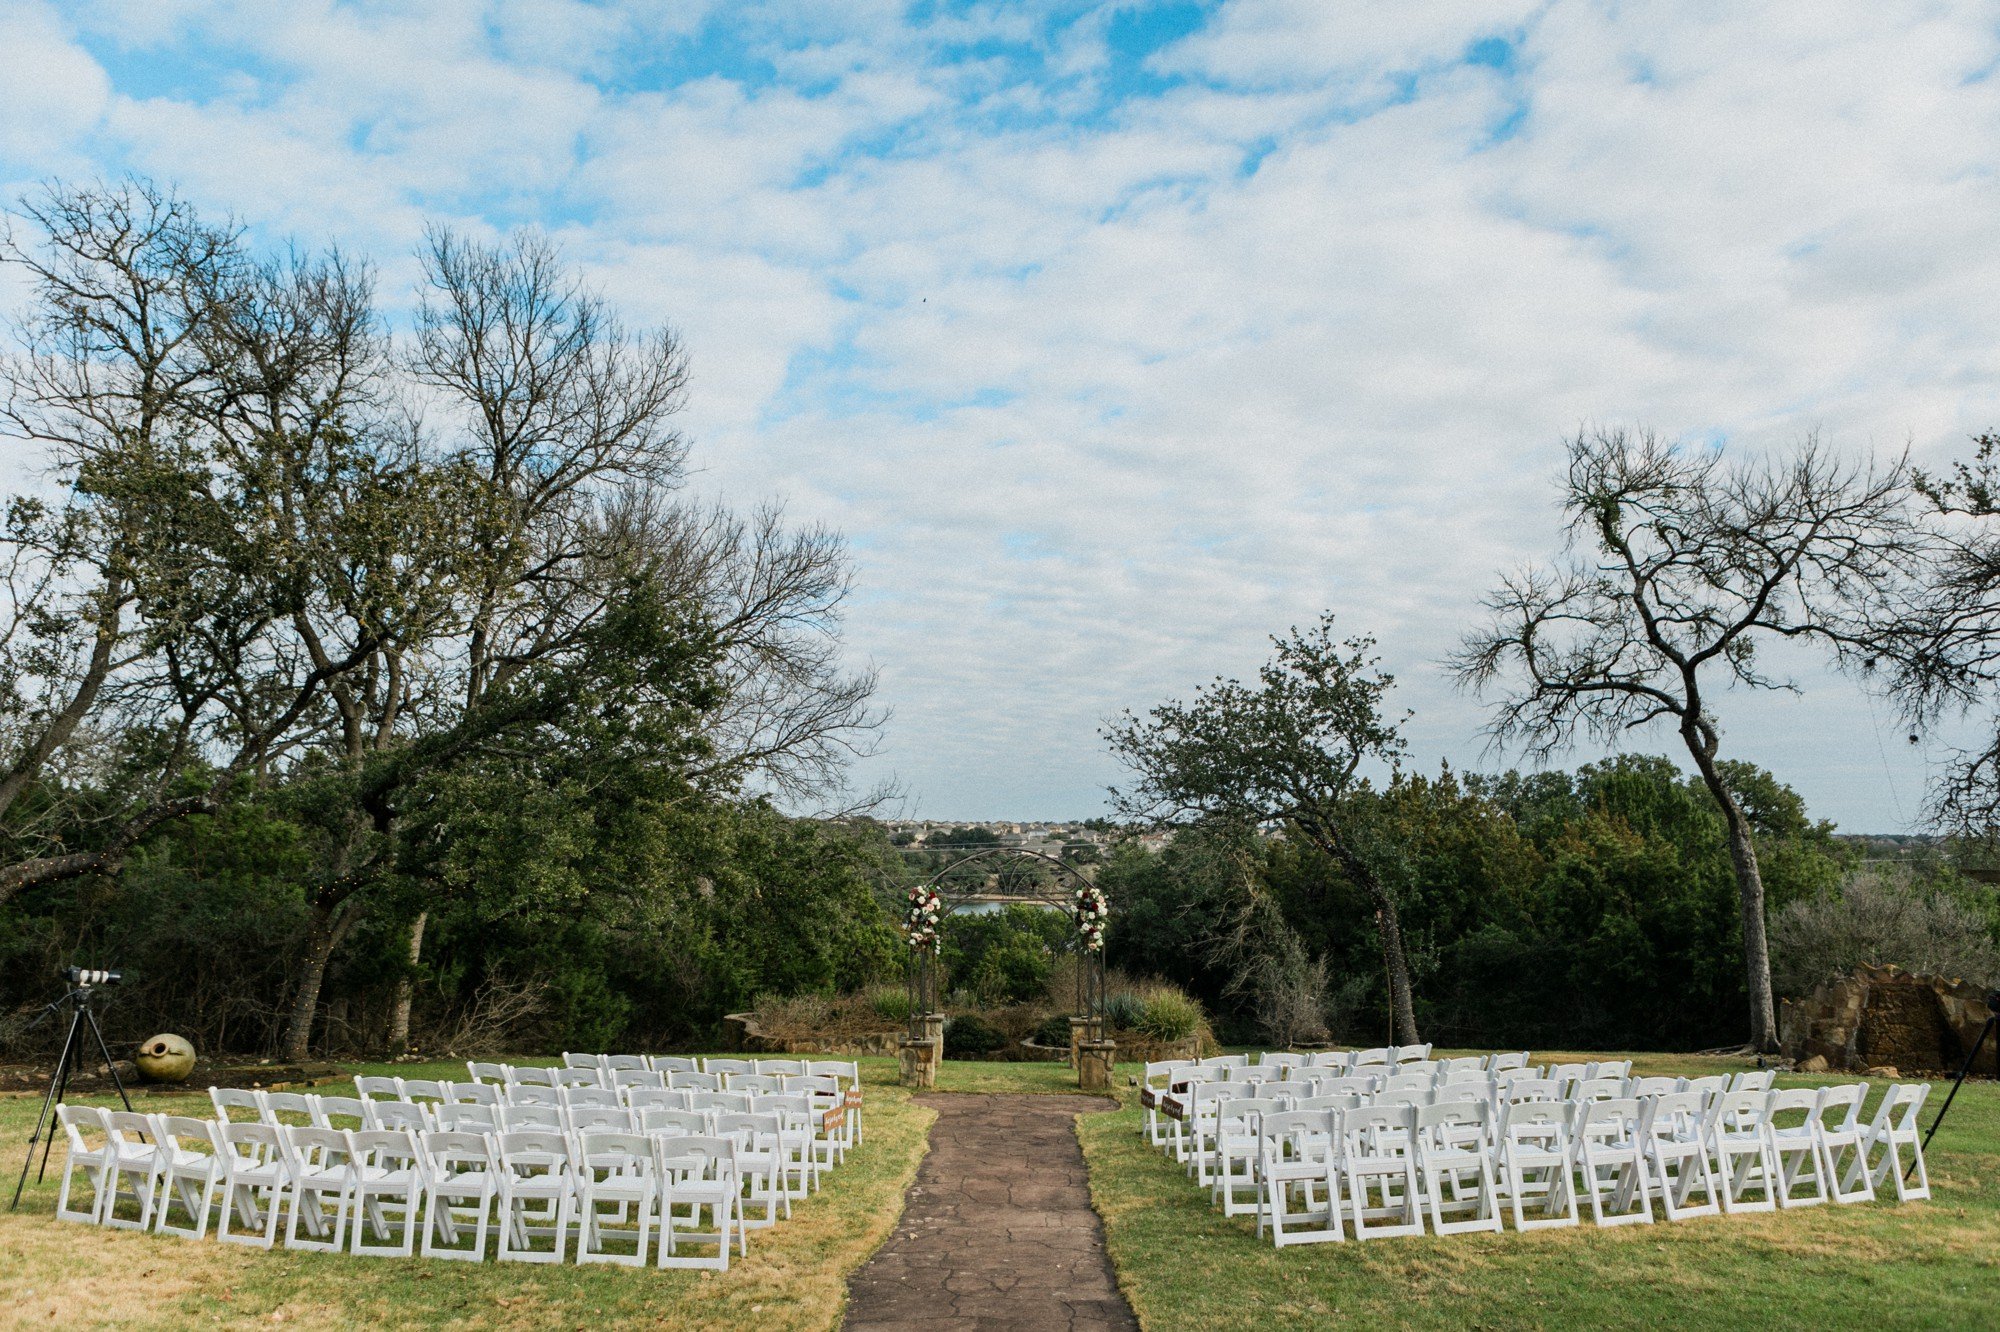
column 165, row 1058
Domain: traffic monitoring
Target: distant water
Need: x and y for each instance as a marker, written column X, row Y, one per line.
column 988, row 908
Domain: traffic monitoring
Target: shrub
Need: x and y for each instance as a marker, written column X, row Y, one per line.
column 1169, row 1015
column 1123, row 1011
column 969, row 1036
column 1054, row 1032
column 890, row 1002
column 1880, row 918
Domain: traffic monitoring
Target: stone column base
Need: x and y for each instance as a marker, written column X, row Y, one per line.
column 1079, row 1032
column 918, row 1061
column 1094, row 1071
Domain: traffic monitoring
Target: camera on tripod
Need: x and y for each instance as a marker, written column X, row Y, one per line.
column 85, row 977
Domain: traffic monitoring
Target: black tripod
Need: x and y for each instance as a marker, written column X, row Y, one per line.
column 81, row 1016
column 1992, row 1020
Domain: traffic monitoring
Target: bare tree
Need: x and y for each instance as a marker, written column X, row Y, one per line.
column 1681, row 565
column 1289, row 749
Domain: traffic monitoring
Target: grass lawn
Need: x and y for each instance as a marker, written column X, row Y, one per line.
column 1933, row 1264
column 61, row 1275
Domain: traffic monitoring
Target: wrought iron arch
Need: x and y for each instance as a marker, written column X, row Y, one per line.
column 926, row 968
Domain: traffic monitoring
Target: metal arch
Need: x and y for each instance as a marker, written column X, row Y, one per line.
column 926, row 971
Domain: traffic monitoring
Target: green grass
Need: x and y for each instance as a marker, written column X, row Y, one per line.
column 1883, row 1266
column 54, row 1274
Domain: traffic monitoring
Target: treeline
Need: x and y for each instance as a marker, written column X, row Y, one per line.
column 361, row 680
column 1592, row 910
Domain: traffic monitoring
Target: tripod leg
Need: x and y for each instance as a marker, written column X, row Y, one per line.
column 1963, row 1069
column 57, row 1082
column 66, row 1069
column 110, row 1064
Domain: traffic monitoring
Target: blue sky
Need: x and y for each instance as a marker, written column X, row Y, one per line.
column 1120, row 336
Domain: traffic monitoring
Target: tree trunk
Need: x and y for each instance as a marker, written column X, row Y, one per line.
column 312, row 974
column 1750, row 902
column 1389, row 924
column 399, row 1025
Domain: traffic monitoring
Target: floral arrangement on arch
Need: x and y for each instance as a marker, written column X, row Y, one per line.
column 1092, row 909
column 921, row 919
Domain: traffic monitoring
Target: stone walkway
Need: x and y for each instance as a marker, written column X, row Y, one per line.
column 997, row 1232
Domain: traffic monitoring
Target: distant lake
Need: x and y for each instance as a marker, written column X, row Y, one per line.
column 988, row 908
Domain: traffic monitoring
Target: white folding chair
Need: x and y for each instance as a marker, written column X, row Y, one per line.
column 461, row 1182
column 1296, row 1159
column 616, row 1064
column 519, row 1075
column 578, row 1077
column 191, row 1174
column 388, row 1190
column 1378, row 1165
column 1791, row 1118
column 531, row 1119
column 255, row 1167
column 291, row 1110
column 1740, row 1149
column 133, row 1165
column 321, row 1165
column 230, row 1100
column 386, row 1116
column 698, row 1174
column 1894, row 1128
column 1535, row 1158
column 688, row 1080
column 378, row 1088
column 1455, row 1165
column 719, row 1066
column 1610, row 1161
column 80, row 1125
column 595, row 1063
column 340, row 1112
column 1238, row 1122
column 760, row 1164
column 531, row 1094
column 674, row 1064
column 1841, row 1135
column 535, row 1198
column 487, row 1074
column 1671, row 1129
column 618, row 1171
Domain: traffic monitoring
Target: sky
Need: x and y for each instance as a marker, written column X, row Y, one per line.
column 1118, row 337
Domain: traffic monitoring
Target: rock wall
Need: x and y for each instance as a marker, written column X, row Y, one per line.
column 1885, row 1016
column 742, row 1033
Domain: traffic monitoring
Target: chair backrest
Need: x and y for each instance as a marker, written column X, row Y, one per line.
column 1297, row 1132
column 755, row 1082
column 705, row 1157
column 473, row 1093
column 1545, row 1122
column 679, row 1123
column 1900, row 1104
column 280, row 1104
column 1455, row 1123
column 589, row 1061
column 458, row 1152
column 1322, row 1103
column 1415, row 1068
column 1226, row 1061
column 531, row 1077
column 1676, row 1114
column 528, row 1153
column 1652, row 1086
column 750, row 1131
column 674, row 1064
column 1502, row 1061
column 245, row 1144
column 1353, row 1085
column 1390, row 1127
column 80, row 1123
column 185, row 1133
column 1791, row 1107
column 392, row 1115
column 1528, row 1089
column 529, row 1118
column 1713, row 1085
column 373, row 1088
column 626, row 1064
column 1464, row 1064
column 1597, row 1089
column 1280, row 1059
column 638, row 1077
column 226, row 1099
column 317, row 1148
column 1402, row 1082
column 781, row 1068
column 1403, row 1053
column 720, row 1066
column 328, row 1109
column 655, row 1098
column 1247, row 1110
column 1507, row 1077
column 695, row 1081
column 1561, row 1073
column 469, row 1118
column 1256, row 1073
column 1612, row 1117
column 482, row 1072
column 600, row 1117
column 1839, row 1108
column 1463, row 1077
column 1753, row 1079
column 424, row 1089
column 1738, row 1109
column 810, row 1084
column 529, row 1094
column 731, row 1102
column 577, row 1098
column 1611, row 1068
column 386, row 1149
column 1404, row 1096
column 579, row 1077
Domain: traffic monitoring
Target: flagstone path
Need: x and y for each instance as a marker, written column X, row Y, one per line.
column 997, row 1232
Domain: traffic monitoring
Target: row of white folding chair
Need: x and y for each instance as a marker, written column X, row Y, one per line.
column 632, row 1071
column 1378, row 1169
column 376, row 1180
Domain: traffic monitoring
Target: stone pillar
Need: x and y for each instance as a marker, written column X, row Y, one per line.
column 919, row 1064
column 1094, row 1072
column 1079, row 1032
column 934, row 1033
